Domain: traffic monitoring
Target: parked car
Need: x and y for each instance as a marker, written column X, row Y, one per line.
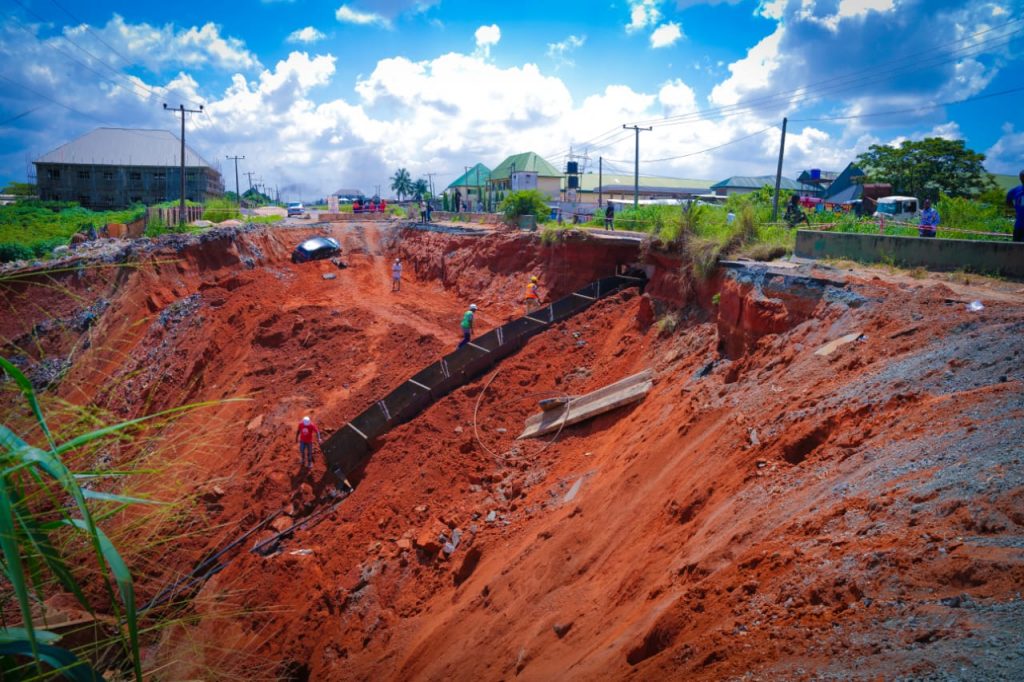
column 317, row 248
column 295, row 208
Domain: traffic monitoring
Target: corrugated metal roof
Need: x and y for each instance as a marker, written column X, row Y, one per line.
column 124, row 147
column 759, row 181
column 615, row 181
column 846, row 195
column 477, row 175
column 528, row 162
column 343, row 192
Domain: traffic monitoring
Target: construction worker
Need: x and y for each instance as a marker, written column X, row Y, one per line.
column 396, row 276
column 532, row 299
column 304, row 437
column 467, row 325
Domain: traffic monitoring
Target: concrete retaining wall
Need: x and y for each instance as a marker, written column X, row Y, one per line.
column 993, row 258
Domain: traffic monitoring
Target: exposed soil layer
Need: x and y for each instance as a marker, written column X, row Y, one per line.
column 766, row 511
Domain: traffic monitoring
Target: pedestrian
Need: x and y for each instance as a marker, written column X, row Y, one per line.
column 467, row 325
column 730, row 218
column 357, row 206
column 1015, row 198
column 396, row 276
column 304, row 437
column 383, row 206
column 609, row 217
column 429, row 209
column 532, row 299
column 794, row 214
column 929, row 220
column 458, row 199
column 423, row 214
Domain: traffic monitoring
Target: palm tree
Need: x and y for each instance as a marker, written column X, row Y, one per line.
column 419, row 188
column 401, row 183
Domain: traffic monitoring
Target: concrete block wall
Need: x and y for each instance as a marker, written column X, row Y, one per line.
column 1002, row 258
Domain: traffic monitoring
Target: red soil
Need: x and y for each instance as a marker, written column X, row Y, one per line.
column 764, row 510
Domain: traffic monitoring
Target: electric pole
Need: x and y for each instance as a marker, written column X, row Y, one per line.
column 430, row 181
column 778, row 174
column 600, row 180
column 249, row 175
column 182, row 110
column 235, row 159
column 636, row 164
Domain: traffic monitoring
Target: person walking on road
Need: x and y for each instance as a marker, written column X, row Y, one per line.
column 467, row 325
column 532, row 298
column 429, row 208
column 1015, row 198
column 396, row 275
column 609, row 217
column 929, row 220
column 304, row 436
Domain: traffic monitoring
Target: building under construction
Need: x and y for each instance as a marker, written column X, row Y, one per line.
column 111, row 168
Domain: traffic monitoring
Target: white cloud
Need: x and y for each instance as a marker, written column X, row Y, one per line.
column 159, row 46
column 486, row 37
column 666, row 35
column 642, row 13
column 560, row 52
column 305, row 35
column 350, row 15
column 1007, row 154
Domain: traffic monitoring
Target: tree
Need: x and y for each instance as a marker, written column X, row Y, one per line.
column 928, row 167
column 525, row 202
column 20, row 189
column 401, row 183
column 420, row 188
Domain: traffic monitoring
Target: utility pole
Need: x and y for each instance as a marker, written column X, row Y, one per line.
column 636, row 164
column 249, row 175
column 778, row 173
column 182, row 110
column 430, row 180
column 235, row 159
column 600, row 180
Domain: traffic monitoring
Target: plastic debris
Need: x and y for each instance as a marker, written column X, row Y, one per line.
column 975, row 306
column 329, row 275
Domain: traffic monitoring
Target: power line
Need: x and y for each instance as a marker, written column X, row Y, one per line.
column 912, row 110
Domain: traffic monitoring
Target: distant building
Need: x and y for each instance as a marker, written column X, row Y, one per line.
column 112, row 168
column 745, row 184
column 526, row 171
column 472, row 184
column 348, row 195
column 822, row 179
column 618, row 186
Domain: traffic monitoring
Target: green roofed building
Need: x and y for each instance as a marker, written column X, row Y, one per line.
column 527, row 171
column 472, row 185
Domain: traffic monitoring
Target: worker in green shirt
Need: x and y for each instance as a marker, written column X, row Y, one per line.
column 467, row 325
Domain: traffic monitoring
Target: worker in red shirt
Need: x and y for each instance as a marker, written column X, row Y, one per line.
column 304, row 436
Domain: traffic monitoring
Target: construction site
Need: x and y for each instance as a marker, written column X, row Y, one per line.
column 787, row 470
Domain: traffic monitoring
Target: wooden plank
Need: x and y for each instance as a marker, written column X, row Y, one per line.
column 835, row 344
column 628, row 390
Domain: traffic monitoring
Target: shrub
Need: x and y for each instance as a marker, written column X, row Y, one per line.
column 525, row 202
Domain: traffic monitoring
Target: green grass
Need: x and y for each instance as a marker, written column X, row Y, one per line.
column 31, row 229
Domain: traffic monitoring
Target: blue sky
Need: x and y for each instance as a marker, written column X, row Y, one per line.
column 322, row 95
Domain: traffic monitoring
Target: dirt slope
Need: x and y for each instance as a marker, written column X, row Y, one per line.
column 766, row 511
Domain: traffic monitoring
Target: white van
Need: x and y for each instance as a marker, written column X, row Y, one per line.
column 898, row 208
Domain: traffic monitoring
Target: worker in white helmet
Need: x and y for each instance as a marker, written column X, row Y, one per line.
column 304, row 435
column 467, row 325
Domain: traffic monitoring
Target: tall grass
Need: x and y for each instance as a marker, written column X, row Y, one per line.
column 52, row 542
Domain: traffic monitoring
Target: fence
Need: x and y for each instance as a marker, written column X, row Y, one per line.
column 349, row 449
column 169, row 215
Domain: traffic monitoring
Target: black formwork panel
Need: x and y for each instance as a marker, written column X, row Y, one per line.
column 464, row 357
column 432, row 376
column 609, row 285
column 565, row 308
column 591, row 290
column 373, row 421
column 345, row 451
column 491, row 340
column 405, row 402
column 518, row 330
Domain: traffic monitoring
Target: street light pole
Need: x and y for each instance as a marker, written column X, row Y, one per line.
column 636, row 165
column 238, row 196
